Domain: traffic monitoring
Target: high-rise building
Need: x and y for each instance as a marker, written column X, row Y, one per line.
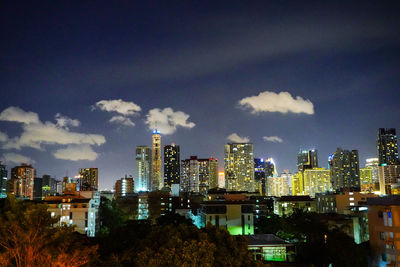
column 37, row 188
column 372, row 164
column 49, row 186
column 387, row 147
column 366, row 183
column 280, row 185
column 307, row 159
column 124, row 187
column 171, row 165
column 3, row 181
column 22, row 180
column 89, row 179
column 213, row 180
column 239, row 167
column 262, row 170
column 389, row 179
column 143, row 168
column 196, row 174
column 156, row 177
column 297, row 183
column 345, row 170
column 316, row 180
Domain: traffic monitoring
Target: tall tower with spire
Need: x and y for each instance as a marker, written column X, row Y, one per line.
column 156, row 176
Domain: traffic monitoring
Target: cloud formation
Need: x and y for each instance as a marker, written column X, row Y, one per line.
column 274, row 139
column 122, row 120
column 37, row 134
column 123, row 108
column 167, row 120
column 272, row 102
column 65, row 122
column 3, row 137
column 16, row 158
column 235, row 138
column 18, row 115
column 118, row 106
column 76, row 153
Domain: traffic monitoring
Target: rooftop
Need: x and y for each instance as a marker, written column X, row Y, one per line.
column 265, row 239
column 393, row 200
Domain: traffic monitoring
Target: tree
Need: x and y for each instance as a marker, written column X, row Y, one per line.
column 28, row 238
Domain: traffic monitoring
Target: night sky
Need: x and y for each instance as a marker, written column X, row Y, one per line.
column 283, row 75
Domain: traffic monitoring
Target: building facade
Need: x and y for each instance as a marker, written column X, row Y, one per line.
column 143, row 168
column 239, row 167
column 124, row 187
column 197, row 174
column 307, row 159
column 316, row 180
column 384, row 230
column 341, row 203
column 280, row 185
column 389, row 179
column 172, row 166
column 235, row 216
column 89, row 179
column 345, row 170
column 387, row 147
column 22, row 181
column 3, row 180
column 156, row 175
column 76, row 208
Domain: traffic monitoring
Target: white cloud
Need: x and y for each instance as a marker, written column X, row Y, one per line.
column 119, row 106
column 16, row 158
column 18, row 115
column 238, row 139
column 3, row 137
column 76, row 153
column 37, row 134
column 274, row 139
column 64, row 121
column 272, row 102
column 122, row 120
column 167, row 120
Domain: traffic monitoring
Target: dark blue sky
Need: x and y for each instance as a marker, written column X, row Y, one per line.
column 199, row 58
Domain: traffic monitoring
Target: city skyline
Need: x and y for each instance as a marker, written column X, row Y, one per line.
column 309, row 76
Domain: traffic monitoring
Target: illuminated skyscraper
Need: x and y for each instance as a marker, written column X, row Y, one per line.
column 307, row 159
column 387, row 147
column 143, row 168
column 316, row 180
column 213, row 180
column 21, row 182
column 3, row 181
column 89, row 179
column 297, row 184
column 280, row 185
column 171, row 165
column 262, row 170
column 345, row 170
column 156, row 176
column 239, row 167
column 389, row 179
column 196, row 174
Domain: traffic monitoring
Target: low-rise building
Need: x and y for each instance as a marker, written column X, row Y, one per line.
column 78, row 208
column 269, row 247
column 340, row 203
column 234, row 216
column 286, row 205
column 384, row 230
